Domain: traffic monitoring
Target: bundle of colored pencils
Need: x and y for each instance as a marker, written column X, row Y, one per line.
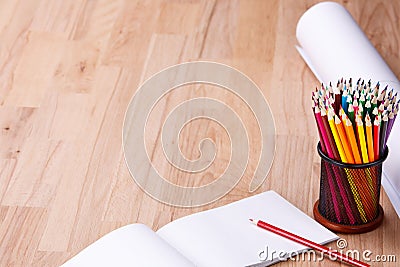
column 354, row 121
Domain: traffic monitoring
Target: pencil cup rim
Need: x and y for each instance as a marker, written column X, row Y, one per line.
column 352, row 166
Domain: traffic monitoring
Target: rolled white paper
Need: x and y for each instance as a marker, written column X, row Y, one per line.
column 334, row 47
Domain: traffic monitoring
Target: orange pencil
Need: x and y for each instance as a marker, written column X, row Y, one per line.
column 343, row 117
column 353, row 142
column 343, row 139
column 370, row 141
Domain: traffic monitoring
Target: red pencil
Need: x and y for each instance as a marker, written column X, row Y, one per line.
column 330, row 140
column 319, row 132
column 324, row 132
column 308, row 243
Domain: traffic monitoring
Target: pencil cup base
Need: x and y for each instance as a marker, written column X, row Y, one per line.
column 348, row 229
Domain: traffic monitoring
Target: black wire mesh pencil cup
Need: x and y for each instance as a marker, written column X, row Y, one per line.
column 349, row 195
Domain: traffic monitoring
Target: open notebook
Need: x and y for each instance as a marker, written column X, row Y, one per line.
column 218, row 237
column 334, row 46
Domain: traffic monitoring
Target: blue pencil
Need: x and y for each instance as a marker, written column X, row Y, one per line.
column 344, row 100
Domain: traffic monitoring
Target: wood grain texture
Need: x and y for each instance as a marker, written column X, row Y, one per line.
column 68, row 70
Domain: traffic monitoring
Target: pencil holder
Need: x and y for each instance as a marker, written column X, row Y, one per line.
column 349, row 195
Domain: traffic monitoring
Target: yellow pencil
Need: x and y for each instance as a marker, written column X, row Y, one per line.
column 370, row 141
column 336, row 136
column 361, row 138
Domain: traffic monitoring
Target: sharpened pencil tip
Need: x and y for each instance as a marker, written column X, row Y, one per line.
column 252, row 221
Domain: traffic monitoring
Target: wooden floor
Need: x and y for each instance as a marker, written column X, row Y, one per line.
column 68, row 70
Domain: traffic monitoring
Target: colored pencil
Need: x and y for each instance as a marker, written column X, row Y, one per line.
column 353, row 142
column 382, row 138
column 353, row 104
column 344, row 141
column 333, row 254
column 323, row 132
column 361, row 138
column 350, row 114
column 381, row 96
column 370, row 141
column 329, row 136
column 331, row 120
column 377, row 127
column 344, row 100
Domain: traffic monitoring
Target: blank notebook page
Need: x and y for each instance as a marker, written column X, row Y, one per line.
column 225, row 237
column 131, row 245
